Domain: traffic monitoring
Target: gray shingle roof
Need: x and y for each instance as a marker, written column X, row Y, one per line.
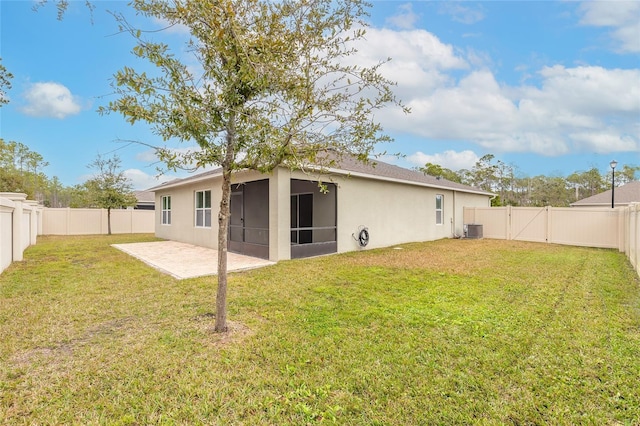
column 379, row 169
column 350, row 165
column 625, row 194
column 145, row 196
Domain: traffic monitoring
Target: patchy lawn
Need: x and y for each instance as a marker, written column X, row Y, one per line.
column 447, row 332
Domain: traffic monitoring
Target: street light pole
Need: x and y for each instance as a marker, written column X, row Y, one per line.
column 613, row 165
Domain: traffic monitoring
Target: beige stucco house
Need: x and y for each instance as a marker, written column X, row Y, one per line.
column 284, row 215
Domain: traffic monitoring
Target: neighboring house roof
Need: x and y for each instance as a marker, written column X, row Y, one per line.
column 145, row 197
column 350, row 166
column 623, row 196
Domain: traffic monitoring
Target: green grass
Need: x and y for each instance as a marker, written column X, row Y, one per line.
column 447, row 332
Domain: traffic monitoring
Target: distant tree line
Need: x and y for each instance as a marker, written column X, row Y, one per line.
column 22, row 171
column 514, row 190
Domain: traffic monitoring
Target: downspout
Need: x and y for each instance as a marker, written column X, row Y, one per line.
column 453, row 218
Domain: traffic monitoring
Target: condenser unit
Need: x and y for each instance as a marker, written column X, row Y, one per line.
column 473, row 231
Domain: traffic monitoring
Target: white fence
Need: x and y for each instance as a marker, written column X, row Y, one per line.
column 22, row 220
column 94, row 221
column 617, row 228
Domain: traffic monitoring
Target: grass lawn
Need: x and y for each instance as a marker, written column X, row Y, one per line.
column 447, row 332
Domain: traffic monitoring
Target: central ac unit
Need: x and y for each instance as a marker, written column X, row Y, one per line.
column 473, row 231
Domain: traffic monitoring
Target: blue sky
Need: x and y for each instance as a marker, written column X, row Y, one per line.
column 549, row 87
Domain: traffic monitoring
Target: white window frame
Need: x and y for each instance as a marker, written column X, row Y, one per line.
column 166, row 210
column 439, row 209
column 202, row 218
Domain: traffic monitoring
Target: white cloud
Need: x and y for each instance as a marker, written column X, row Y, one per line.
column 622, row 16
column 141, row 180
column 449, row 159
column 50, row 99
column 591, row 90
column 405, row 19
column 419, row 59
column 170, row 28
column 416, row 46
column 463, row 14
column 606, row 141
column 147, row 156
column 474, row 107
column 454, row 96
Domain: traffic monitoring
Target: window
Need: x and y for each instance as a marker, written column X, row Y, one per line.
column 203, row 209
column 439, row 209
column 166, row 209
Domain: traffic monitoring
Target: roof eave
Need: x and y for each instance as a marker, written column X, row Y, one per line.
column 196, row 179
column 407, row 182
column 185, row 181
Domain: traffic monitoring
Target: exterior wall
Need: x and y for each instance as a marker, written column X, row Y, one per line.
column 280, row 215
column 393, row 212
column 396, row 213
column 68, row 221
column 182, row 227
column 462, row 200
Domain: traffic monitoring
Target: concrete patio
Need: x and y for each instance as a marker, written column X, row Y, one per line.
column 181, row 260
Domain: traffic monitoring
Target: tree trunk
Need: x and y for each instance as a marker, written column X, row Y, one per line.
column 223, row 227
column 109, row 220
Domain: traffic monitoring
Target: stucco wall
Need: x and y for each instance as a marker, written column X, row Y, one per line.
column 462, row 200
column 182, row 227
column 393, row 212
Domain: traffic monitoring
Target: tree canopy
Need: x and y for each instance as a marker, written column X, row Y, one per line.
column 273, row 85
column 512, row 188
column 109, row 188
column 21, row 169
column 5, row 83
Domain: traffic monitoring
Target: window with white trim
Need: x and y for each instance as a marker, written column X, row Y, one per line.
column 166, row 209
column 203, row 209
column 439, row 212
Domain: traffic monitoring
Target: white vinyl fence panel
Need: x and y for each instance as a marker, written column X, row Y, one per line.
column 18, row 226
column 6, row 233
column 21, row 221
column 617, row 228
column 67, row 221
